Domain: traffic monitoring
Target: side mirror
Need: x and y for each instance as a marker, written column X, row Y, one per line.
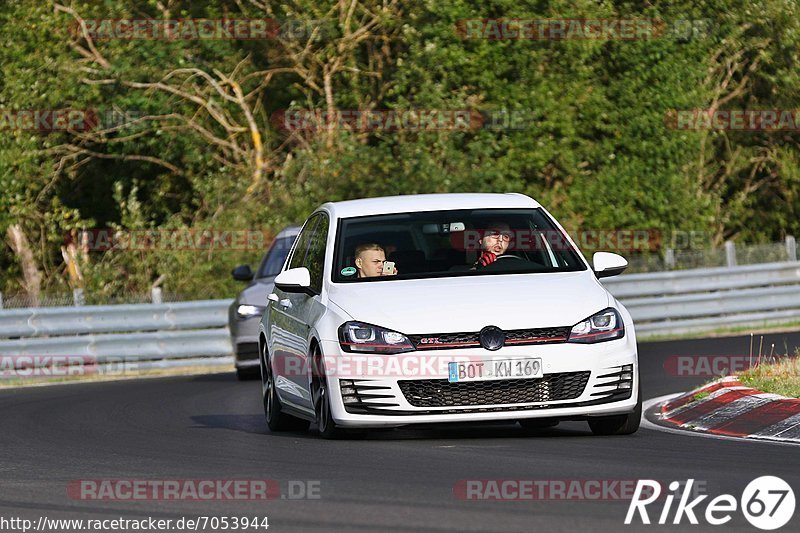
column 242, row 273
column 607, row 264
column 295, row 280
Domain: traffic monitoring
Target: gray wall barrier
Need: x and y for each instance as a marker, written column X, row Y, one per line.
column 662, row 303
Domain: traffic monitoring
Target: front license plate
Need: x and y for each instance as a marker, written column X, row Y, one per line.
column 494, row 369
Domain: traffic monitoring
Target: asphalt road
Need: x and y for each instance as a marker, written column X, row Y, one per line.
column 211, row 427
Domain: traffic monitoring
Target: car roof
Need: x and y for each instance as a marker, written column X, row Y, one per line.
column 429, row 202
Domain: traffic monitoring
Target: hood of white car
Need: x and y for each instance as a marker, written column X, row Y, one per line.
column 460, row 304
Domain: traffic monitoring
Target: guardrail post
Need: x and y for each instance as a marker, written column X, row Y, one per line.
column 791, row 250
column 155, row 295
column 730, row 253
column 669, row 259
column 77, row 297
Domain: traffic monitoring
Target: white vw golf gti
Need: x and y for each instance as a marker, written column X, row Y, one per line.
column 445, row 308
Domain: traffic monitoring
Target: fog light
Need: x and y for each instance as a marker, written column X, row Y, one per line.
column 625, row 385
column 349, row 391
column 626, row 375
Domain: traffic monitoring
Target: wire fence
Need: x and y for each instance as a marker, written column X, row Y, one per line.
column 79, row 297
column 668, row 259
column 730, row 255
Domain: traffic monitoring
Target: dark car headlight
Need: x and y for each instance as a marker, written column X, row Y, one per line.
column 244, row 311
column 603, row 326
column 366, row 338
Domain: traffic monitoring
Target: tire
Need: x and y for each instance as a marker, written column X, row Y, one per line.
column 322, row 404
column 277, row 419
column 618, row 424
column 538, row 423
column 246, row 374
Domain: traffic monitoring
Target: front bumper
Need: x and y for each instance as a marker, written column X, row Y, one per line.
column 578, row 382
column 244, row 339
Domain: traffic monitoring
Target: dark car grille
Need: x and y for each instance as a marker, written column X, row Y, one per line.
column 537, row 336
column 442, row 393
column 514, row 337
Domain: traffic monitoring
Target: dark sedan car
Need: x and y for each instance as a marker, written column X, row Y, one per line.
column 245, row 312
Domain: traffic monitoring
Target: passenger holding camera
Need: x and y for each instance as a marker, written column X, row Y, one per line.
column 370, row 260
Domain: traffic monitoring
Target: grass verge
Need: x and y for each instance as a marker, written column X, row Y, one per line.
column 733, row 331
column 780, row 377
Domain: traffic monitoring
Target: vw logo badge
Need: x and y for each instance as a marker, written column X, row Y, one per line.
column 492, row 338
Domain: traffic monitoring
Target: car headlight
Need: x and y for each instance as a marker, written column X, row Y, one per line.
column 360, row 337
column 249, row 311
column 603, row 326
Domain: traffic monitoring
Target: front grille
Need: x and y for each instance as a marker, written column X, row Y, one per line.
column 444, row 340
column 442, row 393
column 358, row 395
column 537, row 335
column 516, row 337
column 617, row 382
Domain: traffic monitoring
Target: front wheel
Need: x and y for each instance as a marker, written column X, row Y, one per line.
column 618, row 424
column 277, row 419
column 322, row 402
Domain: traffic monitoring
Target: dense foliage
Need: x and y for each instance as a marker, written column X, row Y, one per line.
column 187, row 135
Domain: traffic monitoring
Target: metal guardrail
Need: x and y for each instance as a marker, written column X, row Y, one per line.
column 714, row 303
column 687, row 301
column 703, row 280
column 137, row 346
column 108, row 332
column 52, row 321
column 661, row 303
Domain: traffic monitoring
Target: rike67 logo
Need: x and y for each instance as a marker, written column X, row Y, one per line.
column 767, row 503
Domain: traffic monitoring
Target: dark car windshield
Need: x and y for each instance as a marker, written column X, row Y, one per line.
column 273, row 262
column 453, row 243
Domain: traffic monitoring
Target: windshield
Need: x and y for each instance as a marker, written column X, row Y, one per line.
column 272, row 263
column 451, row 243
